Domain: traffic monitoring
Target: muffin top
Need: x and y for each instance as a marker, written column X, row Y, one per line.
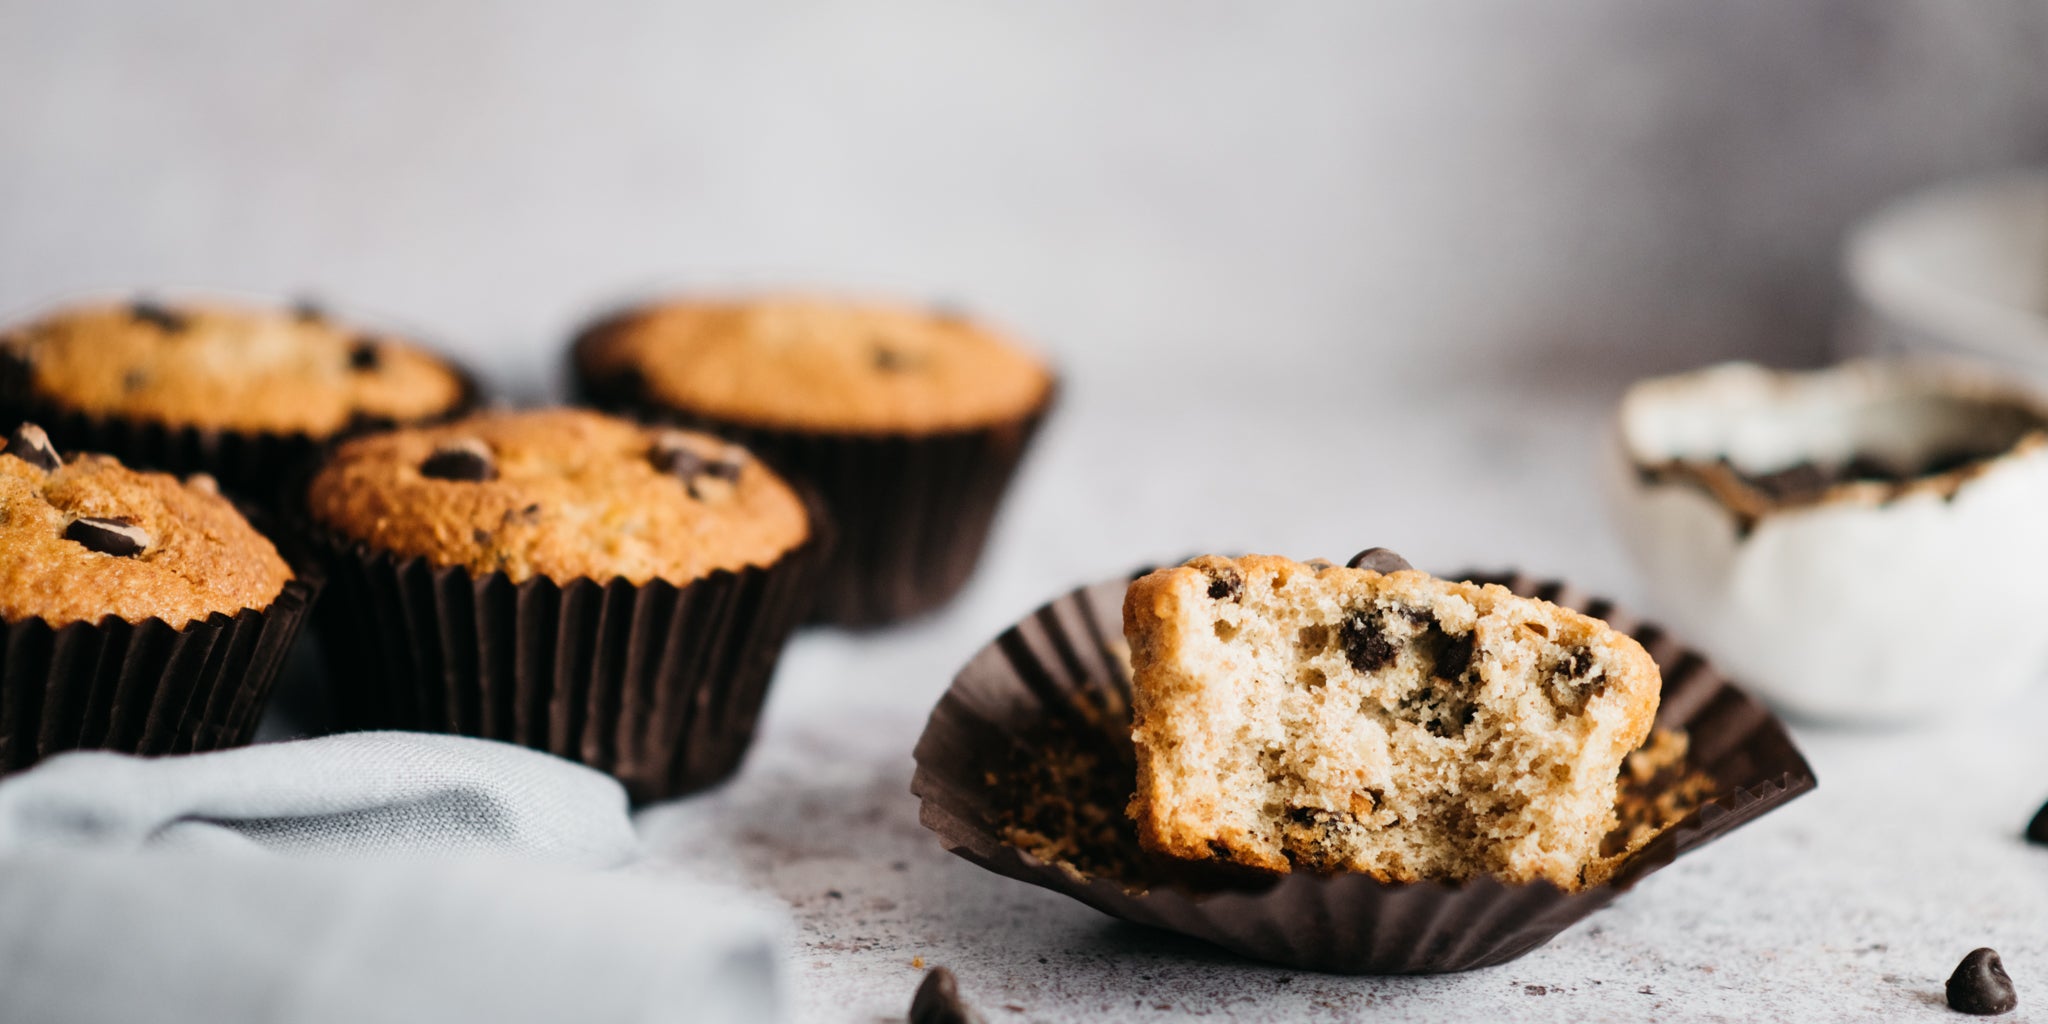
column 560, row 493
column 83, row 537
column 228, row 367
column 818, row 364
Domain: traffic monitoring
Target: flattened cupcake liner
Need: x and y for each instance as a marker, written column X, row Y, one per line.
column 912, row 512
column 249, row 465
column 143, row 687
column 657, row 684
column 1066, row 667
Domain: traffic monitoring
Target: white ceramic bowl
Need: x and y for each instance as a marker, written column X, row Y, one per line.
column 1876, row 603
column 1958, row 269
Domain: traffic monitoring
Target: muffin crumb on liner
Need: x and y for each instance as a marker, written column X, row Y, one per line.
column 1062, row 676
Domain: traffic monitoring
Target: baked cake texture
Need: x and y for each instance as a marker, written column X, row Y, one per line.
column 1390, row 723
column 560, row 493
column 816, row 364
column 83, row 537
column 226, row 366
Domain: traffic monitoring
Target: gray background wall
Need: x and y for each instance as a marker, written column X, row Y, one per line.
column 1152, row 190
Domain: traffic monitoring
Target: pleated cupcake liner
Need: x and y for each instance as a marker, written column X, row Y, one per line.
column 249, row 465
column 143, row 687
column 1067, row 667
column 912, row 511
column 658, row 685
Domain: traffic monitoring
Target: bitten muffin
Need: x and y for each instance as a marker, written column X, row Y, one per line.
column 560, row 493
column 83, row 538
column 910, row 423
column 1394, row 724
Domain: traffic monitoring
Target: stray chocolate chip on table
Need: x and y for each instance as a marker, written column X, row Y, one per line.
column 2037, row 829
column 468, row 460
column 938, row 1001
column 30, row 444
column 1379, row 560
column 120, row 536
column 1980, row 985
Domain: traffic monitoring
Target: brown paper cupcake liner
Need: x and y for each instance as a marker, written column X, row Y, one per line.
column 912, row 512
column 1066, row 669
column 657, row 684
column 143, row 687
column 249, row 465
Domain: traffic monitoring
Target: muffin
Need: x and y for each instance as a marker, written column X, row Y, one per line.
column 240, row 392
column 612, row 593
column 910, row 423
column 138, row 612
column 1387, row 723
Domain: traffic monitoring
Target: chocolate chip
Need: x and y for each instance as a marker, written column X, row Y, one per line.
column 1797, row 482
column 119, row 536
column 938, row 1001
column 30, row 444
column 1226, row 584
column 1365, row 642
column 468, row 460
column 134, row 380
column 1980, row 985
column 1379, row 560
column 1453, row 653
column 1579, row 663
column 888, row 360
column 365, row 354
column 2037, row 829
column 677, row 457
column 308, row 311
column 160, row 317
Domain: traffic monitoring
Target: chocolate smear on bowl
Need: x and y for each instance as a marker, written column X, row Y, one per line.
column 1980, row 985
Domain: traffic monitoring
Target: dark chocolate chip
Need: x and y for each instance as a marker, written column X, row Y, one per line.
column 1379, row 560
column 480, row 535
column 134, row 380
column 888, row 360
column 1793, row 483
column 678, row 460
column 308, row 311
column 2037, row 829
column 30, row 444
column 160, row 317
column 119, row 536
column 1580, row 662
column 365, row 354
column 1453, row 653
column 1365, row 642
column 938, row 1001
column 468, row 460
column 1980, row 985
column 1226, row 584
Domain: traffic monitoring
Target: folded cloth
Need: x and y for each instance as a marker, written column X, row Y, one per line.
column 351, row 795
column 430, row 878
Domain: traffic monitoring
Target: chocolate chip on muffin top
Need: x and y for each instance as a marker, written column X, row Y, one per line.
column 560, row 493
column 223, row 366
column 85, row 537
column 817, row 364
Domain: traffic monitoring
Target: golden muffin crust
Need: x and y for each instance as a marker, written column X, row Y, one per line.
column 560, row 493
column 63, row 532
column 820, row 364
column 232, row 367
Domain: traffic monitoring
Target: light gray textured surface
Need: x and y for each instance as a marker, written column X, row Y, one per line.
column 1323, row 275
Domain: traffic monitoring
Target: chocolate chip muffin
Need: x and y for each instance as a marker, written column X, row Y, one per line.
column 909, row 422
column 611, row 592
column 233, row 390
column 1388, row 723
column 140, row 612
